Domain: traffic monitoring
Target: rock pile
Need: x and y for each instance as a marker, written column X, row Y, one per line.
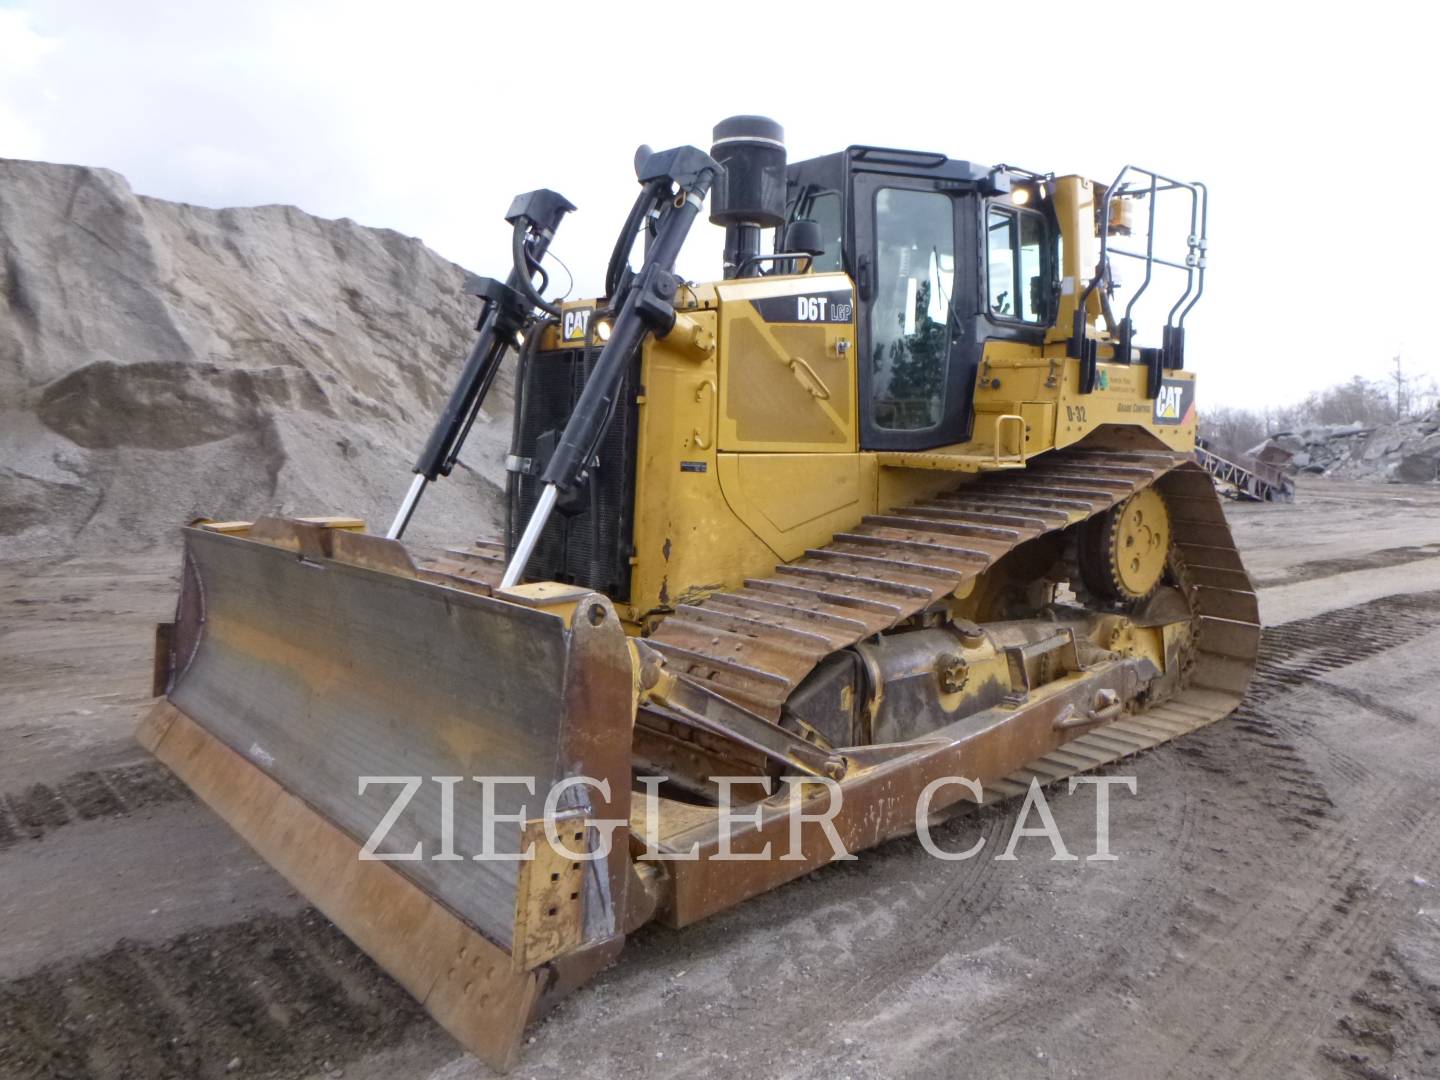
column 1404, row 452
column 161, row 362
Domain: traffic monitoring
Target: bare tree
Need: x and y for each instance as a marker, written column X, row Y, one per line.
column 1424, row 395
column 1358, row 401
column 1402, row 390
column 1230, row 431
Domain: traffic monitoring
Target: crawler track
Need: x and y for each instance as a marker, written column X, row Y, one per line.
column 755, row 645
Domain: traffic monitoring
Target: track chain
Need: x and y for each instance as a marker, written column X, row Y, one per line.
column 754, row 645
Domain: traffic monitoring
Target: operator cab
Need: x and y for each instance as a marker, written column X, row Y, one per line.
column 946, row 255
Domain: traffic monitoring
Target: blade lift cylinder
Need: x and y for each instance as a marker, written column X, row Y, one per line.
column 648, row 306
column 507, row 309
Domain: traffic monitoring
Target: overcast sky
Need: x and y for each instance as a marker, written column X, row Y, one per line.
column 1315, row 130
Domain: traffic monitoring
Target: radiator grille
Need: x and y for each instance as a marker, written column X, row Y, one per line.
column 592, row 547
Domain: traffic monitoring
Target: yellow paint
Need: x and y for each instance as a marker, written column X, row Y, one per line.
column 749, row 450
column 688, row 541
column 785, row 387
column 551, row 597
column 1141, row 544
column 797, row 501
column 1119, row 635
column 1074, row 201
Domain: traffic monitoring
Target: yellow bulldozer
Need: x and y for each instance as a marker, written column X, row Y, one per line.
column 896, row 516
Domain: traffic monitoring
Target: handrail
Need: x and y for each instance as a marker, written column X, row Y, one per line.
column 1170, row 354
column 1019, row 454
column 1199, row 246
column 1126, row 326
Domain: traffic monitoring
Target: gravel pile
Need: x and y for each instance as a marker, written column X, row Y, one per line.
column 161, row 362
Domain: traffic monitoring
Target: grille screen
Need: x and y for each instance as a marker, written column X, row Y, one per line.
column 588, row 539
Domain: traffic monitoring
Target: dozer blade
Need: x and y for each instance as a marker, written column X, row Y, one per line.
column 305, row 659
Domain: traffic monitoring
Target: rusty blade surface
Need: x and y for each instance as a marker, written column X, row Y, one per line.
column 321, row 673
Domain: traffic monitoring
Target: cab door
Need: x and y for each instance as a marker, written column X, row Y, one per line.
column 916, row 372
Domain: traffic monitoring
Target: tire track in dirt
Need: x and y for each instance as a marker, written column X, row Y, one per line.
column 1283, row 791
column 1294, row 653
column 976, row 891
column 964, row 892
column 1329, row 934
column 958, row 890
column 1301, row 653
column 284, row 996
column 95, row 793
column 1323, row 568
column 1353, row 931
column 1394, row 1011
column 1315, row 930
column 1183, row 903
column 1359, row 931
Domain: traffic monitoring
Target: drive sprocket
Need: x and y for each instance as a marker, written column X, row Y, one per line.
column 1122, row 552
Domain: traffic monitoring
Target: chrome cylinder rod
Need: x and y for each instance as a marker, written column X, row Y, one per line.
column 523, row 550
column 402, row 519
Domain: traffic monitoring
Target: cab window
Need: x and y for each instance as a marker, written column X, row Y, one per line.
column 1018, row 285
column 914, row 280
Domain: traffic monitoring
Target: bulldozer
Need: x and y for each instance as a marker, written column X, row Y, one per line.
column 893, row 518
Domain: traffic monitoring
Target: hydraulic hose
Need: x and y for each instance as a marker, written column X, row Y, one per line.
column 525, row 267
column 625, row 242
column 523, row 368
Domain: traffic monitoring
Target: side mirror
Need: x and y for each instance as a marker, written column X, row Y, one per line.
column 803, row 237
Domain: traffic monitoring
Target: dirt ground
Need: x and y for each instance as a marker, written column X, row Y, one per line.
column 1274, row 910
